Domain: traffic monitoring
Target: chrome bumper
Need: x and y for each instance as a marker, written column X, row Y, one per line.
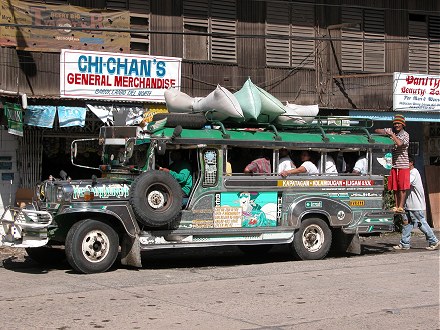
column 24, row 227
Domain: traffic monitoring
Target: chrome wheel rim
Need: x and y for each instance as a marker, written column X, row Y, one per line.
column 95, row 246
column 313, row 238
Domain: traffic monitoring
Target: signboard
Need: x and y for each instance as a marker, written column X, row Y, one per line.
column 128, row 77
column 14, row 114
column 33, row 17
column 416, row 92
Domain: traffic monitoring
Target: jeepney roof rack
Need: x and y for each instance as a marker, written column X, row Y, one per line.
column 322, row 124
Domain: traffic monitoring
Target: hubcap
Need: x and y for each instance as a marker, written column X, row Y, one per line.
column 156, row 199
column 313, row 238
column 95, row 246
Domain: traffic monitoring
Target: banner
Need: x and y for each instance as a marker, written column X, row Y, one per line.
column 14, row 114
column 416, row 92
column 103, row 112
column 71, row 116
column 128, row 77
column 40, row 115
column 34, row 15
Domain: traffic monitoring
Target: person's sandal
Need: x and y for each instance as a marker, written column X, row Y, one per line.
column 399, row 210
column 400, row 247
column 433, row 247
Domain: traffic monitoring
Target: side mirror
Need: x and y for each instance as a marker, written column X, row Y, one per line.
column 161, row 148
column 129, row 149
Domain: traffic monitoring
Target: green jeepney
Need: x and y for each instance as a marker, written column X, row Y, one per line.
column 135, row 207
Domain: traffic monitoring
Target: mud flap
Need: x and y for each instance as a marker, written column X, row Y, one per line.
column 130, row 251
column 353, row 244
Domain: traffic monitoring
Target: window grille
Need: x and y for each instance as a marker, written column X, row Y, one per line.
column 210, row 166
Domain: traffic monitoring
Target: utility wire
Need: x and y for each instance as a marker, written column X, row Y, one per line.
column 230, row 36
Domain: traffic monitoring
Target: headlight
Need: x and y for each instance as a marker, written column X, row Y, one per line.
column 60, row 194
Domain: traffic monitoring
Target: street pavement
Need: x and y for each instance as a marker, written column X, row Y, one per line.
column 224, row 289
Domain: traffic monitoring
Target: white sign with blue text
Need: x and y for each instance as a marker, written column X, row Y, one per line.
column 128, row 77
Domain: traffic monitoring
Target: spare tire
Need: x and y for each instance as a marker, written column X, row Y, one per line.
column 156, row 198
column 186, row 120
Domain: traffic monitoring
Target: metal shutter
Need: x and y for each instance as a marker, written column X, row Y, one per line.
column 352, row 50
column 374, row 52
column 418, row 53
column 117, row 4
column 278, row 23
column 434, row 46
column 302, row 26
column 224, row 21
column 195, row 19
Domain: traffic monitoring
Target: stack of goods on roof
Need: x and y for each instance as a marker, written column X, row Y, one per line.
column 250, row 104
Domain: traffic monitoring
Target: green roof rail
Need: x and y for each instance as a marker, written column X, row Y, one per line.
column 225, row 135
column 277, row 136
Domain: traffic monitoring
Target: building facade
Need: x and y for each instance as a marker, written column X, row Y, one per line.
column 339, row 54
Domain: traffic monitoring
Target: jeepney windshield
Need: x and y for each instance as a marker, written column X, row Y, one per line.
column 125, row 155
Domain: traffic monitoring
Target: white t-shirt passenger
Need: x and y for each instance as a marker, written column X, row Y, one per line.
column 330, row 166
column 310, row 167
column 361, row 165
column 285, row 164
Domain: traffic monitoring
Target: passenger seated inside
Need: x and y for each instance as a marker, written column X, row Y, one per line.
column 306, row 167
column 285, row 162
column 261, row 165
column 349, row 159
column 361, row 165
column 330, row 166
column 181, row 170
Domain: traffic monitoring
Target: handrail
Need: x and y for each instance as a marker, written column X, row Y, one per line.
column 277, row 136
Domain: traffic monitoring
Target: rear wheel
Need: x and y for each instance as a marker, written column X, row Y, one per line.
column 312, row 240
column 91, row 246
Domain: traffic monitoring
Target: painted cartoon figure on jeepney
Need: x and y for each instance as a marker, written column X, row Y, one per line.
column 256, row 213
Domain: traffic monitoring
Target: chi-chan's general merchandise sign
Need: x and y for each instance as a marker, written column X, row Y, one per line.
column 131, row 77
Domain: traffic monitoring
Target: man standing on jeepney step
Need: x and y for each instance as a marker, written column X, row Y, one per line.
column 398, row 180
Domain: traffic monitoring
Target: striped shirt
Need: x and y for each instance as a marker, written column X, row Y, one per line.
column 400, row 154
column 260, row 165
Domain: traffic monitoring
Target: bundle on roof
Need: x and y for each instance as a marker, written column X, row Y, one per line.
column 220, row 104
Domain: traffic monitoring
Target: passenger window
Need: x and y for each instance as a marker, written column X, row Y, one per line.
column 251, row 160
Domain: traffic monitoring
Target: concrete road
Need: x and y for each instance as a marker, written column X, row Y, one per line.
column 223, row 289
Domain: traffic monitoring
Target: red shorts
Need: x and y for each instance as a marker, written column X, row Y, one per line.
column 399, row 179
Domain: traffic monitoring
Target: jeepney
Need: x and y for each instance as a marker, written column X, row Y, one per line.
column 135, row 207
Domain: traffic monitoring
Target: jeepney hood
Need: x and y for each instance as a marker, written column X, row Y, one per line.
column 62, row 192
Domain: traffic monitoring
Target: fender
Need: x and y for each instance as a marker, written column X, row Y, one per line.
column 338, row 213
column 122, row 213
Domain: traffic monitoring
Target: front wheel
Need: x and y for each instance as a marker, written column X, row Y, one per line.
column 91, row 246
column 312, row 241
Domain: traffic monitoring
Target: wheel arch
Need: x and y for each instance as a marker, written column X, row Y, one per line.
column 66, row 220
column 316, row 214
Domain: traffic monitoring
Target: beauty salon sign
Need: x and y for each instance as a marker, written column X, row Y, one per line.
column 416, row 92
